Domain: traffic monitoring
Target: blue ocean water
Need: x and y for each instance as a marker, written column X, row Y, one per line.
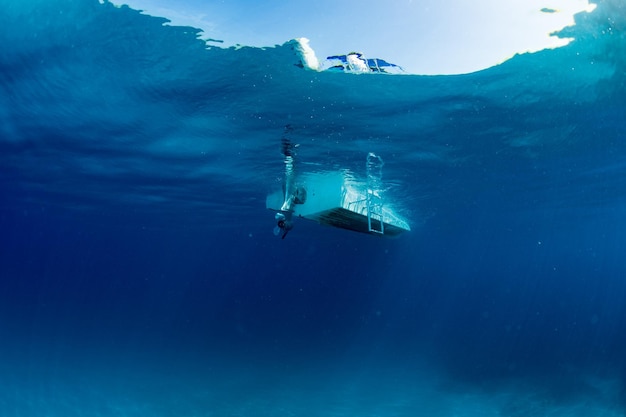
column 139, row 275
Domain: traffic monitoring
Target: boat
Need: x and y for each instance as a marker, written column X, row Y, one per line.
column 355, row 62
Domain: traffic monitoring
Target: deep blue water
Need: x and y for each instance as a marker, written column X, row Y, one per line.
column 139, row 275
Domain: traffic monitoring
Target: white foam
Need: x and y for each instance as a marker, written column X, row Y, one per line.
column 309, row 59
